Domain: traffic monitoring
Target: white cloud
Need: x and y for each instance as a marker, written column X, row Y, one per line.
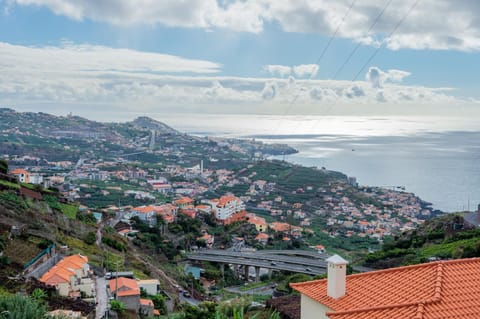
column 306, row 70
column 378, row 77
column 433, row 24
column 280, row 70
column 269, row 90
column 93, row 75
column 302, row 70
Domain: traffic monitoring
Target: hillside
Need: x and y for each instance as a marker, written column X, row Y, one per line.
column 34, row 220
column 444, row 237
column 62, row 138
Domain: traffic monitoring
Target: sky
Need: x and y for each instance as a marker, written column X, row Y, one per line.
column 103, row 58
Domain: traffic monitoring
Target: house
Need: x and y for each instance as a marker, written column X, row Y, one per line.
column 22, row 175
column 228, row 209
column 128, row 292
column 436, row 290
column 149, row 213
column 71, row 277
column 146, row 307
column 259, row 222
column 189, row 211
column 262, row 238
column 320, row 249
column 145, row 213
column 207, row 238
column 280, row 227
column 151, row 286
column 183, row 202
column 168, row 212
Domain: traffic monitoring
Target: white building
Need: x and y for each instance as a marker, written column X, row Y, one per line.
column 226, row 206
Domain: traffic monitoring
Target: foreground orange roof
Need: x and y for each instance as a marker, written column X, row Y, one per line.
column 437, row 290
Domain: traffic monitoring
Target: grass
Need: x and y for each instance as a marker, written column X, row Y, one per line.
column 69, row 210
column 9, row 184
column 444, row 249
column 79, row 246
column 21, row 251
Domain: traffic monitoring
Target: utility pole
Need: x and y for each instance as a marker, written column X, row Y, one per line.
column 116, row 281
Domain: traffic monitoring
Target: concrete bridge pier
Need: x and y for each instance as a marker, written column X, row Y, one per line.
column 245, row 268
column 257, row 274
column 222, row 269
column 236, row 270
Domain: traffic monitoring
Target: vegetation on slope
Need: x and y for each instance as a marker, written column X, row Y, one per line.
column 444, row 237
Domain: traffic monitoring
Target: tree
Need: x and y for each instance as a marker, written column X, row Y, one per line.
column 3, row 166
column 117, row 306
column 90, row 238
column 159, row 303
column 20, row 307
column 39, row 295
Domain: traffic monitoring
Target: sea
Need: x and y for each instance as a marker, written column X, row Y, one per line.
column 437, row 158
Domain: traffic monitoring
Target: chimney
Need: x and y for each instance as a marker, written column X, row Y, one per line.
column 337, row 277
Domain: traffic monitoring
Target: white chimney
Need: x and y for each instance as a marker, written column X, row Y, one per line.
column 337, row 277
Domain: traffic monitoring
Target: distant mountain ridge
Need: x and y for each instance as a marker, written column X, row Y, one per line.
column 149, row 123
column 69, row 137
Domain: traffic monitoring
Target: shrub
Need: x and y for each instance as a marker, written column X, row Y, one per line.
column 90, row 238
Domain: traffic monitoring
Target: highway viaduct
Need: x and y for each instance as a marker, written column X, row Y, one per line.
column 297, row 261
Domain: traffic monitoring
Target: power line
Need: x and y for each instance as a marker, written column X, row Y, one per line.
column 374, row 54
column 389, row 36
column 340, row 69
column 317, row 62
column 335, row 33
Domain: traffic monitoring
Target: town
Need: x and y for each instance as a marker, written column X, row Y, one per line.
column 156, row 190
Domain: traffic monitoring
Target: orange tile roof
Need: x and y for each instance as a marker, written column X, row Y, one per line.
column 224, row 200
column 280, row 227
column 256, row 220
column 144, row 209
column 184, row 200
column 146, row 302
column 65, row 268
column 19, row 171
column 126, row 286
column 437, row 290
column 261, row 236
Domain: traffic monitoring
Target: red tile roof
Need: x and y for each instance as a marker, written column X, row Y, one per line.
column 261, row 236
column 224, row 200
column 438, row 290
column 146, row 302
column 126, row 286
column 19, row 171
column 184, row 200
column 65, row 268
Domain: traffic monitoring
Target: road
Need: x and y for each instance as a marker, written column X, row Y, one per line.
column 191, row 300
column 299, row 261
column 102, row 299
column 274, row 261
